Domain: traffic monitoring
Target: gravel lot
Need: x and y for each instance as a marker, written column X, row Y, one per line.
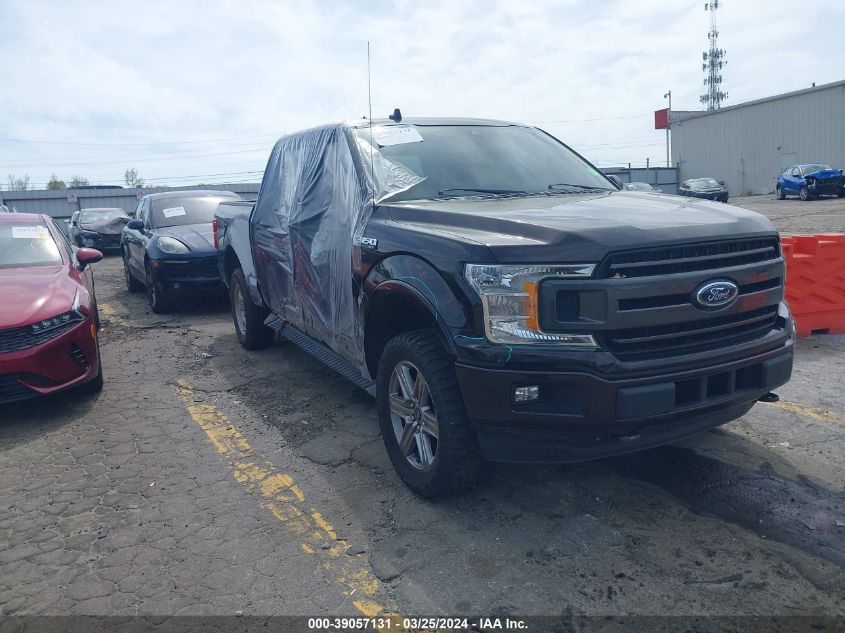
column 206, row 479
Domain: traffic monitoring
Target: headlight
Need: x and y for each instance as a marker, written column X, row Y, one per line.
column 88, row 233
column 509, row 296
column 170, row 245
column 70, row 316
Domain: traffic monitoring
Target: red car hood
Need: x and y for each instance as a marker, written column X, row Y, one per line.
column 33, row 293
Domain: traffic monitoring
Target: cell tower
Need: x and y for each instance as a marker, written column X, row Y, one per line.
column 713, row 59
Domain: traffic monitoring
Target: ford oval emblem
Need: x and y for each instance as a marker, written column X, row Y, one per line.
column 716, row 294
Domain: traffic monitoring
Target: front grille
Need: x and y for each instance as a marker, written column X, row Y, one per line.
column 78, row 356
column 664, row 301
column 685, row 258
column 690, row 337
column 204, row 268
column 21, row 338
column 11, row 390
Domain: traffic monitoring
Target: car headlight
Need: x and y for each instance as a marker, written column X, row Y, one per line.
column 509, row 296
column 71, row 316
column 88, row 233
column 170, row 245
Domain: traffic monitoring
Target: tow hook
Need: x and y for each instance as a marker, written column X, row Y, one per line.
column 769, row 397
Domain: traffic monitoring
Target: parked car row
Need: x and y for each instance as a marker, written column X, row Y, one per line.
column 500, row 297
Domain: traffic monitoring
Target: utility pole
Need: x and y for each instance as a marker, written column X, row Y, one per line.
column 668, row 95
column 713, row 63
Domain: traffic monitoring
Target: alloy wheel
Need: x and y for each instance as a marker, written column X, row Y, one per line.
column 239, row 307
column 413, row 416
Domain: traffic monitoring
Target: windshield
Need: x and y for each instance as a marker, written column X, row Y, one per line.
column 465, row 160
column 97, row 216
column 701, row 183
column 27, row 245
column 187, row 210
column 811, row 169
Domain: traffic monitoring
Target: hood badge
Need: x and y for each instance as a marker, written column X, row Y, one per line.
column 716, row 294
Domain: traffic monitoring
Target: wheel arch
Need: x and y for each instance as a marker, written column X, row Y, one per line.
column 393, row 308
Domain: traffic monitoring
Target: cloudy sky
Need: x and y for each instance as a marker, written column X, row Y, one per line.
column 191, row 92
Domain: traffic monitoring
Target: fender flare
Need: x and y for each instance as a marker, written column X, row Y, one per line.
column 402, row 288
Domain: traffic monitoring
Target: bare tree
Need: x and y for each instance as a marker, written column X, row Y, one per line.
column 132, row 178
column 18, row 184
column 79, row 181
column 55, row 183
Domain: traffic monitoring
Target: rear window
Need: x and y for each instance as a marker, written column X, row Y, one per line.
column 27, row 245
column 187, row 210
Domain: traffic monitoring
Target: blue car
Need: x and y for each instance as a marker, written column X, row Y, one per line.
column 168, row 248
column 810, row 181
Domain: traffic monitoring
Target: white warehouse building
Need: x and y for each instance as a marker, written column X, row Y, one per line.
column 747, row 145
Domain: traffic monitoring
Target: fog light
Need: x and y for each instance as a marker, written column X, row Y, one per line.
column 526, row 393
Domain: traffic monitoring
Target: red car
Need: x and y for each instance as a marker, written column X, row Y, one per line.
column 48, row 312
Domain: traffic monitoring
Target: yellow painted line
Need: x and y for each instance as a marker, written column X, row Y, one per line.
column 817, row 413
column 108, row 312
column 279, row 494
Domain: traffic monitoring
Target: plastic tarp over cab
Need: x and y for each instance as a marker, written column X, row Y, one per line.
column 317, row 194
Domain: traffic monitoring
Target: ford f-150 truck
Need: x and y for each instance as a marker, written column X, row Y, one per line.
column 500, row 297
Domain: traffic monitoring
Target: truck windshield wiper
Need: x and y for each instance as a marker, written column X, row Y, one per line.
column 583, row 187
column 443, row 192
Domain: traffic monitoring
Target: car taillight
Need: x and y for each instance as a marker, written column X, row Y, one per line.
column 214, row 230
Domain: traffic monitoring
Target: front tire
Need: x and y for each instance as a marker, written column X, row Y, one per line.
column 248, row 317
column 804, row 193
column 160, row 300
column 781, row 194
column 423, row 424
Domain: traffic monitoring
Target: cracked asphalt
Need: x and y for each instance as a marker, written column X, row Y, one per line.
column 206, row 479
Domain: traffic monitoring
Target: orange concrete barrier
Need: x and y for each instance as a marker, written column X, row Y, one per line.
column 815, row 282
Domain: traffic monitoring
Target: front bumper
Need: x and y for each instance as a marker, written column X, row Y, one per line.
column 827, row 187
column 101, row 241
column 187, row 272
column 717, row 196
column 69, row 360
column 583, row 415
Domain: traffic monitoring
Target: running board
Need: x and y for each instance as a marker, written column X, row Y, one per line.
column 319, row 351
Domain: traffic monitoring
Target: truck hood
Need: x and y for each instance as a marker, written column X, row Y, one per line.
column 579, row 228
column 198, row 237
column 33, row 293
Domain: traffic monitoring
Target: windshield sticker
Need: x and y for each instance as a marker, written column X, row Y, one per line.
column 30, row 232
column 172, row 212
column 593, row 171
column 396, row 135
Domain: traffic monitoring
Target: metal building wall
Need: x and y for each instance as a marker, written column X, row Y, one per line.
column 747, row 145
column 62, row 203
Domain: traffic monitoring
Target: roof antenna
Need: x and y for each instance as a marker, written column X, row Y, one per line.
column 396, row 116
column 370, row 124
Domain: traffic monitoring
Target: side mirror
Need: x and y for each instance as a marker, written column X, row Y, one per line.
column 87, row 256
column 135, row 225
column 722, row 182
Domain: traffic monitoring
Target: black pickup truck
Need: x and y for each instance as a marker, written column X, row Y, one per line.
column 500, row 297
